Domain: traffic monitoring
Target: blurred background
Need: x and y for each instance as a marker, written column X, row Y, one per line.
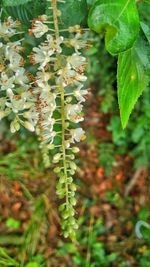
column 113, row 184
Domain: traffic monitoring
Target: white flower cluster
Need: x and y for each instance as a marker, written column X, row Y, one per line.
column 50, row 100
column 8, row 28
column 14, row 83
column 60, row 96
column 53, row 73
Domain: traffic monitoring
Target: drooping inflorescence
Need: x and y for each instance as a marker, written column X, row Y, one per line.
column 52, row 102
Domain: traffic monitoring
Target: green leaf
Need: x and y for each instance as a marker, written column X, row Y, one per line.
column 119, row 20
column 38, row 7
column 6, row 260
column 20, row 12
column 73, row 12
column 147, row 1
column 133, row 66
column 90, row 2
column 15, row 2
column 144, row 213
column 12, row 223
column 146, row 30
column 24, row 13
column 32, row 264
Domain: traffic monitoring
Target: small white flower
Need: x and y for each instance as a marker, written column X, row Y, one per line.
column 77, row 42
column 66, row 76
column 43, row 18
column 9, row 93
column 79, row 94
column 47, row 137
column 14, row 58
column 31, row 115
column 16, row 104
column 20, row 76
column 54, row 44
column 8, row 27
column 38, row 28
column 81, row 77
column 69, row 76
column 42, row 86
column 48, row 123
column 73, row 112
column 11, row 23
column 48, row 100
column 76, row 62
column 77, row 135
column 41, row 56
column 6, row 82
column 43, row 76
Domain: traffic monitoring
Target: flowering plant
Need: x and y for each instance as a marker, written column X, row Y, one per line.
column 42, row 70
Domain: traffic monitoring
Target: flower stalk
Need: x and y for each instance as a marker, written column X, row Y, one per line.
column 61, row 88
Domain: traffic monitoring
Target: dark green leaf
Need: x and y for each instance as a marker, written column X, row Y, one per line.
column 20, row 12
column 119, row 19
column 146, row 31
column 147, row 1
column 72, row 12
column 132, row 77
column 26, row 12
column 90, row 2
column 38, row 7
column 15, row 2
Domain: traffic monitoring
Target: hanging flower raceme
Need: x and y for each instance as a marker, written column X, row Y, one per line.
column 59, row 93
column 50, row 99
column 15, row 96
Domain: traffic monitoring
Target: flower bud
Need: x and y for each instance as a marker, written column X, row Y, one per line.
column 73, row 165
column 73, row 201
column 28, row 126
column 14, row 126
column 75, row 149
column 50, row 146
column 57, row 157
column 57, row 170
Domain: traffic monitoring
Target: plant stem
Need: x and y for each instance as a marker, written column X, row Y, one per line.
column 54, row 5
column 62, row 95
